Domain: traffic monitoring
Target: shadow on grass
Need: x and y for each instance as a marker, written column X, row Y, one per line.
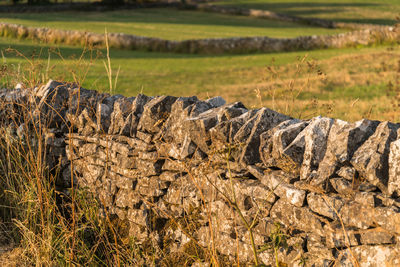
column 151, row 16
column 314, row 9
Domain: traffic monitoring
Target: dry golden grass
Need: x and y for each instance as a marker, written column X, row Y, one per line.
column 348, row 87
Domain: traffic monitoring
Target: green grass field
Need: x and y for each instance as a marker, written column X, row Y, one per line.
column 349, row 76
column 346, row 83
column 362, row 11
column 169, row 24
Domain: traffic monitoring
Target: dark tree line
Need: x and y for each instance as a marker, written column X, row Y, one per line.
column 109, row 2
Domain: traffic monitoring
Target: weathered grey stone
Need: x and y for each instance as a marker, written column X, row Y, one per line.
column 374, row 256
column 394, row 168
column 85, row 124
column 275, row 180
column 81, row 99
column 350, row 212
column 148, row 168
column 104, row 110
column 180, row 145
column 342, row 186
column 343, row 140
column 170, row 176
column 347, row 172
column 139, row 145
column 122, row 109
column 325, row 205
column 222, row 135
column 371, row 159
column 152, row 186
column 376, row 236
column 138, row 216
column 150, row 156
column 388, row 218
column 126, row 198
column 355, row 214
column 179, row 238
column 187, row 149
column 366, row 187
column 298, row 218
column 250, row 132
column 139, row 231
column 145, row 137
column 288, row 256
column 275, row 141
column 198, row 108
column 52, row 105
column 179, row 152
column 293, row 155
column 88, row 149
column 172, row 165
column 365, row 198
column 316, row 136
column 120, row 148
column 337, row 237
column 180, row 111
column 124, row 161
column 91, row 173
column 249, row 191
column 155, row 113
column 132, row 120
column 123, row 182
column 216, row 102
column 198, row 127
column 129, row 173
column 243, row 248
column 316, row 244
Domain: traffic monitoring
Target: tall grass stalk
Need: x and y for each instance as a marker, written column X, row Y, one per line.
column 53, row 226
column 108, row 68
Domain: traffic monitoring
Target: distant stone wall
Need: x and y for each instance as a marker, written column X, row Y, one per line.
column 178, row 170
column 191, row 5
column 205, row 46
column 266, row 14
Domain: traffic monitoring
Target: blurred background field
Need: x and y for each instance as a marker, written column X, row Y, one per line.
column 348, row 83
column 361, row 11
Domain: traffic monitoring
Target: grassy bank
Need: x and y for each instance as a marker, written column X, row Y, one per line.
column 168, row 24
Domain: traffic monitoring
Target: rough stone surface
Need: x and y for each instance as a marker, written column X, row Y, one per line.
column 329, row 187
column 344, row 139
column 371, row 160
column 394, row 168
column 249, row 133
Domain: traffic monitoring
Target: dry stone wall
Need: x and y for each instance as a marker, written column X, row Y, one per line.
column 191, row 5
column 266, row 14
column 376, row 35
column 182, row 171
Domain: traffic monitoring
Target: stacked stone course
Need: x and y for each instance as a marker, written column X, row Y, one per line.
column 332, row 186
